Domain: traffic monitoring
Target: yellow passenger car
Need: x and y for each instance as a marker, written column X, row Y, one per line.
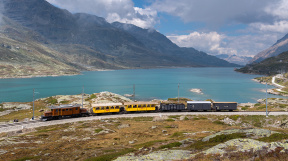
column 140, row 106
column 106, row 108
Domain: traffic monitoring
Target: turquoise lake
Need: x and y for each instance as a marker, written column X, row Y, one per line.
column 219, row 84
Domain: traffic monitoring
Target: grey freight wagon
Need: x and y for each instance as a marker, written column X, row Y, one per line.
column 171, row 106
column 198, row 105
column 218, row 106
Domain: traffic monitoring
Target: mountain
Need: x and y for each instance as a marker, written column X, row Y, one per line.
column 279, row 47
column 241, row 60
column 59, row 42
column 268, row 66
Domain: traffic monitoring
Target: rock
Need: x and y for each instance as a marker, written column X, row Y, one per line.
column 196, row 90
column 153, row 127
column 252, row 132
column 47, row 154
column 160, row 118
column 123, row 126
column 168, row 155
column 182, row 118
column 245, row 145
column 164, row 131
column 133, row 141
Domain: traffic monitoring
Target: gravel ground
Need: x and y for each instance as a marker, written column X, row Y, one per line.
column 56, row 122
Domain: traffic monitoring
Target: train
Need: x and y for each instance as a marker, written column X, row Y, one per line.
column 63, row 111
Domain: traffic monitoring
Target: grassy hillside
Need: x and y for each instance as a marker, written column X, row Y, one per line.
column 269, row 66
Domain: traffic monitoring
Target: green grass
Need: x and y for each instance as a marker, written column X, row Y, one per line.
column 283, row 105
column 91, row 97
column 64, row 102
column 274, row 137
column 2, row 109
column 244, row 108
column 171, row 145
column 52, row 100
column 111, row 156
column 27, row 158
column 170, row 119
column 200, row 118
column 234, row 117
column 98, row 130
column 199, row 145
column 47, row 130
column 218, row 122
column 173, row 117
column 142, row 119
column 178, row 134
column 147, row 144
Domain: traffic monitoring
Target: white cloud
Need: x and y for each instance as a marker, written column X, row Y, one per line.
column 216, row 12
column 112, row 10
column 214, row 43
column 280, row 27
column 279, row 9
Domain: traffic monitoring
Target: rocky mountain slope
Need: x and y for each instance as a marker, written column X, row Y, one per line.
column 241, row 60
column 59, row 42
column 269, row 66
column 279, row 47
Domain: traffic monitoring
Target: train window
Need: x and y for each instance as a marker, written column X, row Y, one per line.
column 56, row 110
column 130, row 106
column 117, row 107
column 70, row 109
column 135, row 106
column 112, row 107
column 97, row 108
column 144, row 105
column 102, row 108
column 148, row 105
column 107, row 108
column 63, row 110
column 152, row 105
column 67, row 109
column 139, row 105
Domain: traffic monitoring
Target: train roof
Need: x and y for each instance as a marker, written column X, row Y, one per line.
column 65, row 106
column 224, row 102
column 198, row 102
column 137, row 103
column 106, row 104
column 171, row 102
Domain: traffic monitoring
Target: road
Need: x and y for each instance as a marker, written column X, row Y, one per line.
column 35, row 124
column 277, row 85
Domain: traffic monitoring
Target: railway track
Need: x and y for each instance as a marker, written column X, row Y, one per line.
column 37, row 123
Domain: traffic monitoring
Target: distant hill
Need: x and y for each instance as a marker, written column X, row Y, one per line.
column 279, row 47
column 45, row 40
column 241, row 60
column 269, row 66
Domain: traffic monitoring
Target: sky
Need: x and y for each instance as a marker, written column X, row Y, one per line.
column 233, row 27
